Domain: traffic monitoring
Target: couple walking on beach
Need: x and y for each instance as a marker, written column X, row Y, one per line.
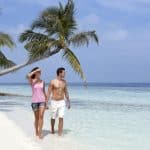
column 57, row 92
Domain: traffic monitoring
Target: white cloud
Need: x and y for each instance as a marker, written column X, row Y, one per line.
column 126, row 5
column 109, row 33
column 92, row 18
column 14, row 31
column 17, row 30
column 89, row 22
column 40, row 2
column 115, row 35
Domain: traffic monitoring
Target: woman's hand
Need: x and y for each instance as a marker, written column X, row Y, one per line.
column 46, row 105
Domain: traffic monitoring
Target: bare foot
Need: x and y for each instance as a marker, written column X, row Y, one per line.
column 52, row 132
column 60, row 134
column 36, row 134
column 41, row 136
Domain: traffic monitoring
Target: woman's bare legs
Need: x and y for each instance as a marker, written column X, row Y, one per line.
column 40, row 123
column 36, row 116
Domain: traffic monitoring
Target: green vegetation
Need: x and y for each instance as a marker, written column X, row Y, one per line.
column 55, row 30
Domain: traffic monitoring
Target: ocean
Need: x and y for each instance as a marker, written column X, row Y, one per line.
column 102, row 116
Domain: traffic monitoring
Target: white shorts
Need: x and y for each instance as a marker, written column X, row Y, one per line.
column 58, row 108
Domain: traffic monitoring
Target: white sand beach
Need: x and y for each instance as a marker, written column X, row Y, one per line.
column 12, row 137
column 100, row 118
column 19, row 136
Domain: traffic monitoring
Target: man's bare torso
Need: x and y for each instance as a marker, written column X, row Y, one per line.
column 58, row 89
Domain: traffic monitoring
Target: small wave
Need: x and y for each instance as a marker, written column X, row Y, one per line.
column 110, row 106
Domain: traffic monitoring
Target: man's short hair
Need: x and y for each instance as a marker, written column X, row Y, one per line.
column 60, row 70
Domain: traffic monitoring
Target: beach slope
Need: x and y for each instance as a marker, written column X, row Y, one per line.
column 12, row 137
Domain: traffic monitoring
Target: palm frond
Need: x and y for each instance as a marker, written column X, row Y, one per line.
column 6, row 40
column 69, row 22
column 57, row 21
column 40, row 23
column 30, row 35
column 93, row 36
column 49, row 22
column 61, row 8
column 37, row 43
column 70, row 57
column 37, row 49
column 50, row 12
column 4, row 62
column 70, row 9
column 83, row 38
column 46, row 23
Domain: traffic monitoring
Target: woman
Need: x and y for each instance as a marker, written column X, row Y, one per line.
column 39, row 99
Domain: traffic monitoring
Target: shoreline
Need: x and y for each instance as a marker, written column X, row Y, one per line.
column 13, row 137
column 101, row 84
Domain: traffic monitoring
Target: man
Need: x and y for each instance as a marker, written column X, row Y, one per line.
column 58, row 91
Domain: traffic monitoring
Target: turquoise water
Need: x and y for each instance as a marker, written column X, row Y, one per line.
column 101, row 117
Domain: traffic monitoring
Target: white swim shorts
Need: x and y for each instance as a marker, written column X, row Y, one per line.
column 58, row 108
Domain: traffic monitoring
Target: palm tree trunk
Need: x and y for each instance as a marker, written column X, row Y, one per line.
column 30, row 61
column 12, row 69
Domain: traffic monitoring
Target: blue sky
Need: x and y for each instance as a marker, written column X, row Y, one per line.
column 123, row 28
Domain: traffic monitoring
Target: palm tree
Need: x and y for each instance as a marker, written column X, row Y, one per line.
column 55, row 30
column 5, row 40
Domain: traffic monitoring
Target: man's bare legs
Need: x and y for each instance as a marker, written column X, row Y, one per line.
column 36, row 116
column 60, row 126
column 52, row 126
column 40, row 123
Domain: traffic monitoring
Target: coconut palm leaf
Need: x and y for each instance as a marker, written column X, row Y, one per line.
column 71, row 58
column 37, row 44
column 70, row 8
column 37, row 49
column 30, row 35
column 70, row 24
column 50, row 12
column 4, row 62
column 57, row 21
column 46, row 23
column 5, row 40
column 83, row 38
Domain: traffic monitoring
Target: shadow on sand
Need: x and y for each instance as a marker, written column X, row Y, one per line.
column 47, row 132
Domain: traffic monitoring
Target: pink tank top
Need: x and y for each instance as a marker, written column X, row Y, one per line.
column 38, row 93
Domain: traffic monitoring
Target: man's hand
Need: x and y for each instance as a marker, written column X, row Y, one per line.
column 68, row 104
column 46, row 105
